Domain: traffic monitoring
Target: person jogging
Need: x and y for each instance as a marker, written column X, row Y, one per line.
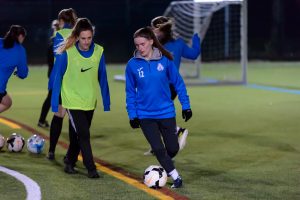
column 148, row 98
column 82, row 69
column 12, row 57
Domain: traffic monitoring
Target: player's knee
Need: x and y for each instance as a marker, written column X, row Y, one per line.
column 83, row 136
column 172, row 152
column 160, row 153
column 7, row 102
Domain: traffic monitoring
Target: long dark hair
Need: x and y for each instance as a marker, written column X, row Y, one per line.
column 147, row 33
column 68, row 16
column 82, row 24
column 164, row 24
column 12, row 36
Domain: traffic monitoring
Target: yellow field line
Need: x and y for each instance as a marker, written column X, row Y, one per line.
column 131, row 181
column 10, row 124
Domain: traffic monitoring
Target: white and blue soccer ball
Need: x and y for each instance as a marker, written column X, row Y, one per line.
column 15, row 143
column 155, row 177
column 2, row 141
column 35, row 144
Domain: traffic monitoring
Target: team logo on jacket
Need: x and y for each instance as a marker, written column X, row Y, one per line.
column 141, row 72
column 160, row 67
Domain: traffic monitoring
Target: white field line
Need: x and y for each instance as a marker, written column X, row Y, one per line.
column 32, row 188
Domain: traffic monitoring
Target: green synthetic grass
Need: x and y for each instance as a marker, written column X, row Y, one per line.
column 243, row 143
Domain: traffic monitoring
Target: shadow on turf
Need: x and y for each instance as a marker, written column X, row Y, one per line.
column 81, row 171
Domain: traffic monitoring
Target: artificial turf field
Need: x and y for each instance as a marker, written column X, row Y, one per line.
column 243, row 141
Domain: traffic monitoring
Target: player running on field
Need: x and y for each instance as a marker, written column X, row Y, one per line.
column 12, row 56
column 148, row 98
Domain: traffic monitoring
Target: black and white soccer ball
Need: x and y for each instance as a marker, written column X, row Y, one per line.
column 2, row 141
column 155, row 177
column 35, row 144
column 15, row 142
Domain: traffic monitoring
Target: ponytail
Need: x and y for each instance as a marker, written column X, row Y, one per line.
column 68, row 16
column 164, row 25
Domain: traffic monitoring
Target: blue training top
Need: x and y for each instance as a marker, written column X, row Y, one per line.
column 147, row 87
column 61, row 64
column 10, row 59
column 178, row 48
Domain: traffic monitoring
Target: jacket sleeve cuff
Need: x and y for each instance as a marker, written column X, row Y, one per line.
column 186, row 107
column 107, row 108
column 54, row 108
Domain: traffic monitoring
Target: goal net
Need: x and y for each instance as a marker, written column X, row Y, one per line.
column 222, row 27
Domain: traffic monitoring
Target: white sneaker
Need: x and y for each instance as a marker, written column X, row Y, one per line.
column 182, row 138
column 149, row 153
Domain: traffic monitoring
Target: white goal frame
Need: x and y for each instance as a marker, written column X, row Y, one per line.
column 202, row 30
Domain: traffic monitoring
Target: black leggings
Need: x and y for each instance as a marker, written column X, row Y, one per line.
column 80, row 138
column 154, row 130
column 45, row 107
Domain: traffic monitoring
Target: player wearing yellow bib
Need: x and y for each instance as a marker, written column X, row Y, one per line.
column 82, row 69
column 67, row 19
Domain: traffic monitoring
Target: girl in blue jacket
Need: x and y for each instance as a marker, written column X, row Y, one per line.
column 162, row 27
column 12, row 56
column 148, row 98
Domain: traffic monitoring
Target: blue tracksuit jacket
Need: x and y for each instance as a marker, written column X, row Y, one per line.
column 147, row 87
column 10, row 59
column 178, row 48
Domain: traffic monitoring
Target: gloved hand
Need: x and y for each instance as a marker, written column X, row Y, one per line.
column 134, row 123
column 187, row 114
column 15, row 73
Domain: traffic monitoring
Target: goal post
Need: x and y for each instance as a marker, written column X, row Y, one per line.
column 222, row 27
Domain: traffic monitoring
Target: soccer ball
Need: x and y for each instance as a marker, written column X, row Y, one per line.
column 155, row 177
column 35, row 144
column 15, row 142
column 2, row 141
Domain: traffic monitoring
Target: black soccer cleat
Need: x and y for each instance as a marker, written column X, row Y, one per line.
column 50, row 156
column 93, row 174
column 177, row 183
column 44, row 124
column 69, row 169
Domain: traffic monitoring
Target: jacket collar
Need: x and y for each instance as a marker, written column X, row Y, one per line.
column 155, row 56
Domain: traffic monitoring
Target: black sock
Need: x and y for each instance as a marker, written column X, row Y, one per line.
column 55, row 130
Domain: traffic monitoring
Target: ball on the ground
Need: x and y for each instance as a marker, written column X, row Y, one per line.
column 35, row 144
column 2, row 141
column 155, row 177
column 15, row 142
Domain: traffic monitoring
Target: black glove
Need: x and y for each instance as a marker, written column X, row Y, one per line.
column 134, row 123
column 187, row 114
column 15, row 73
